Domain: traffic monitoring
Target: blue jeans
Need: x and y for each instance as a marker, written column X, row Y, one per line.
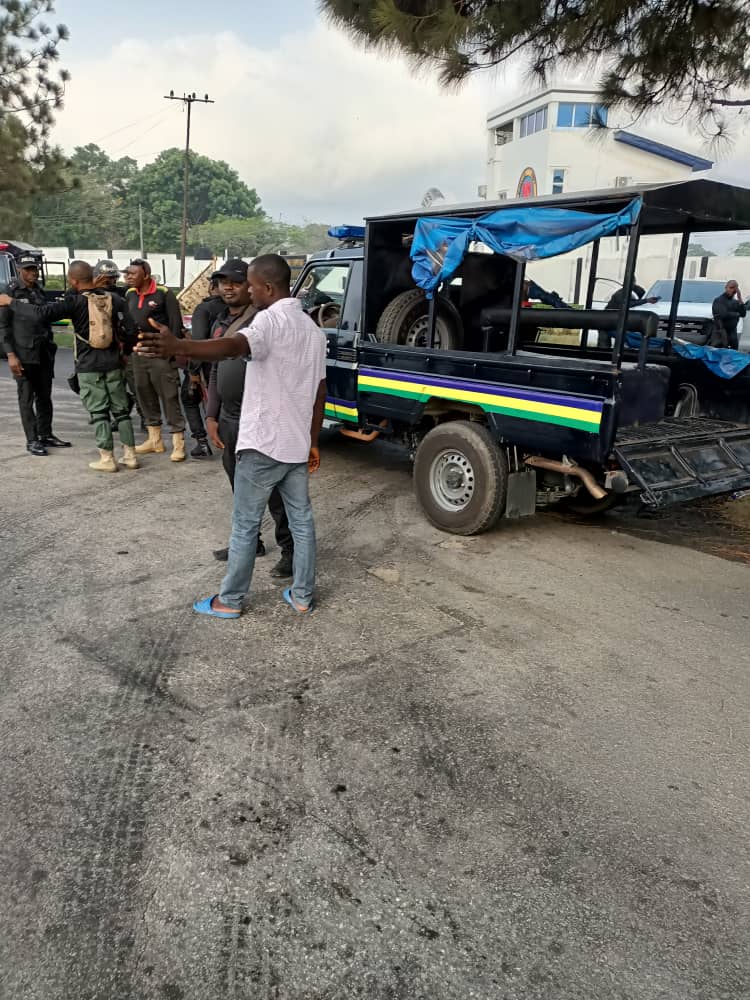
column 254, row 479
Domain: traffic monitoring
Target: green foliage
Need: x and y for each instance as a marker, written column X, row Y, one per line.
column 698, row 250
column 30, row 92
column 743, row 250
column 685, row 51
column 215, row 190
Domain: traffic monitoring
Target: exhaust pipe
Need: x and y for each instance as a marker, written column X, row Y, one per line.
column 568, row 469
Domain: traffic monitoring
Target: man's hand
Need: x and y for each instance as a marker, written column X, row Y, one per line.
column 212, row 426
column 5, row 300
column 101, row 281
column 15, row 365
column 653, row 299
column 160, row 344
column 313, row 461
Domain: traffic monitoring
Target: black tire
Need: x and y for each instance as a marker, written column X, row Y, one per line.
column 405, row 320
column 460, row 477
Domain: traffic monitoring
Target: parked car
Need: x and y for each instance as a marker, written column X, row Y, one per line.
column 694, row 316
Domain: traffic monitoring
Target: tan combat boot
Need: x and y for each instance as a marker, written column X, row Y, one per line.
column 129, row 458
column 106, row 462
column 152, row 444
column 178, row 447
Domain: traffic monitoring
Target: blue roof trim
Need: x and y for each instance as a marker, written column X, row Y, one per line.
column 660, row 149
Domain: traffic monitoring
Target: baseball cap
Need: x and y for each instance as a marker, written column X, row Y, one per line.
column 234, row 270
column 28, row 260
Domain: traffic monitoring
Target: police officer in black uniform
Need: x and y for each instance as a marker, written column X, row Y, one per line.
column 30, row 347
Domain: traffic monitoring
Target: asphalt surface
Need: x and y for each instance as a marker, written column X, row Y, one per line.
column 514, row 766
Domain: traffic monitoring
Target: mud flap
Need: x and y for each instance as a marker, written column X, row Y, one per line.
column 520, row 499
column 679, row 459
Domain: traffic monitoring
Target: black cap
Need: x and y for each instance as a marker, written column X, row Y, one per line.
column 234, row 269
column 28, row 260
column 105, row 267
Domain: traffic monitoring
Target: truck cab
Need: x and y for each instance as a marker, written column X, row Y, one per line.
column 450, row 363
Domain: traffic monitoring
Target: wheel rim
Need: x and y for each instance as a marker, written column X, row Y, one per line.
column 452, row 480
column 418, row 333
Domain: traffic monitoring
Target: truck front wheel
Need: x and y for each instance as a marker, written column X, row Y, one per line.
column 460, row 477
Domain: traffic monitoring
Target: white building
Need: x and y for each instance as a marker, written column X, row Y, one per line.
column 549, row 143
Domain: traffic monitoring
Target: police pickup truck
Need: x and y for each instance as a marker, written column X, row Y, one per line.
column 429, row 346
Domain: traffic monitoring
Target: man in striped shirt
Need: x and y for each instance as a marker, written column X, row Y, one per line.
column 282, row 413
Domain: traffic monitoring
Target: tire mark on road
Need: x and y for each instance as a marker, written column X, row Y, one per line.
column 102, row 901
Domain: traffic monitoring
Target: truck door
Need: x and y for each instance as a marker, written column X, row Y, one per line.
column 331, row 292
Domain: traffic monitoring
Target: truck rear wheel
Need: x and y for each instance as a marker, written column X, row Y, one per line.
column 406, row 320
column 460, row 477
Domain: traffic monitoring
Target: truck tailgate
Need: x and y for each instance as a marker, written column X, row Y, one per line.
column 681, row 458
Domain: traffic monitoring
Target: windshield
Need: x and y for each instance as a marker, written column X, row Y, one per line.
column 692, row 291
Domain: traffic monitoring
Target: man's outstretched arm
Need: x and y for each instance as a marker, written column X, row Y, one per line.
column 162, row 343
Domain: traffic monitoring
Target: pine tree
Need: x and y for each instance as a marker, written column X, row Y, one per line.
column 646, row 53
column 31, row 90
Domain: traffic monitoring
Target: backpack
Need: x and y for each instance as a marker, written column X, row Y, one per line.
column 101, row 331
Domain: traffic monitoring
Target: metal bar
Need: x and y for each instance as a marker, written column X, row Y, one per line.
column 593, row 264
column 627, row 290
column 677, row 290
column 432, row 318
column 515, row 315
column 579, row 275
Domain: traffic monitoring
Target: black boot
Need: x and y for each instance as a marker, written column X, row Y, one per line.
column 36, row 448
column 202, row 449
column 52, row 441
column 285, row 566
column 221, row 554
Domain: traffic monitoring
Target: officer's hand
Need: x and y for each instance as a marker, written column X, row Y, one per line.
column 5, row 300
column 212, row 426
column 15, row 365
column 313, row 461
column 162, row 343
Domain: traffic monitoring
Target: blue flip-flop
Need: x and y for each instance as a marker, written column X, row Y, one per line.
column 293, row 604
column 203, row 607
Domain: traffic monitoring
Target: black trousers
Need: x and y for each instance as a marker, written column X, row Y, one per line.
column 35, row 399
column 228, row 431
column 192, row 407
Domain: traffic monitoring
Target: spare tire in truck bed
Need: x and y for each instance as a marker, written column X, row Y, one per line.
column 406, row 320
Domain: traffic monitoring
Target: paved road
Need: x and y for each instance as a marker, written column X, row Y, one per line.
column 514, row 766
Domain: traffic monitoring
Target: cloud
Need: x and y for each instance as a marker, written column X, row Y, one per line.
column 321, row 128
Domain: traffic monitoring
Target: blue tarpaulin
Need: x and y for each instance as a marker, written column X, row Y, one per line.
column 522, row 233
column 720, row 360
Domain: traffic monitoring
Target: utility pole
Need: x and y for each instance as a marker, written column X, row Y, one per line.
column 188, row 100
column 140, row 225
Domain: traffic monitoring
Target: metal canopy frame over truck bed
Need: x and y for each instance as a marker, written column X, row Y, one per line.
column 499, row 423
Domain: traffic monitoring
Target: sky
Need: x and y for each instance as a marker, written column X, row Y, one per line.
column 322, row 129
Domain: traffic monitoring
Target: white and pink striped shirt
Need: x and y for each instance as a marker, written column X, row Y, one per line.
column 287, row 364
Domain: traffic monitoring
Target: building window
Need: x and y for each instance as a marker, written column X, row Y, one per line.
column 571, row 115
column 535, row 121
column 502, row 195
column 504, row 134
column 558, row 180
